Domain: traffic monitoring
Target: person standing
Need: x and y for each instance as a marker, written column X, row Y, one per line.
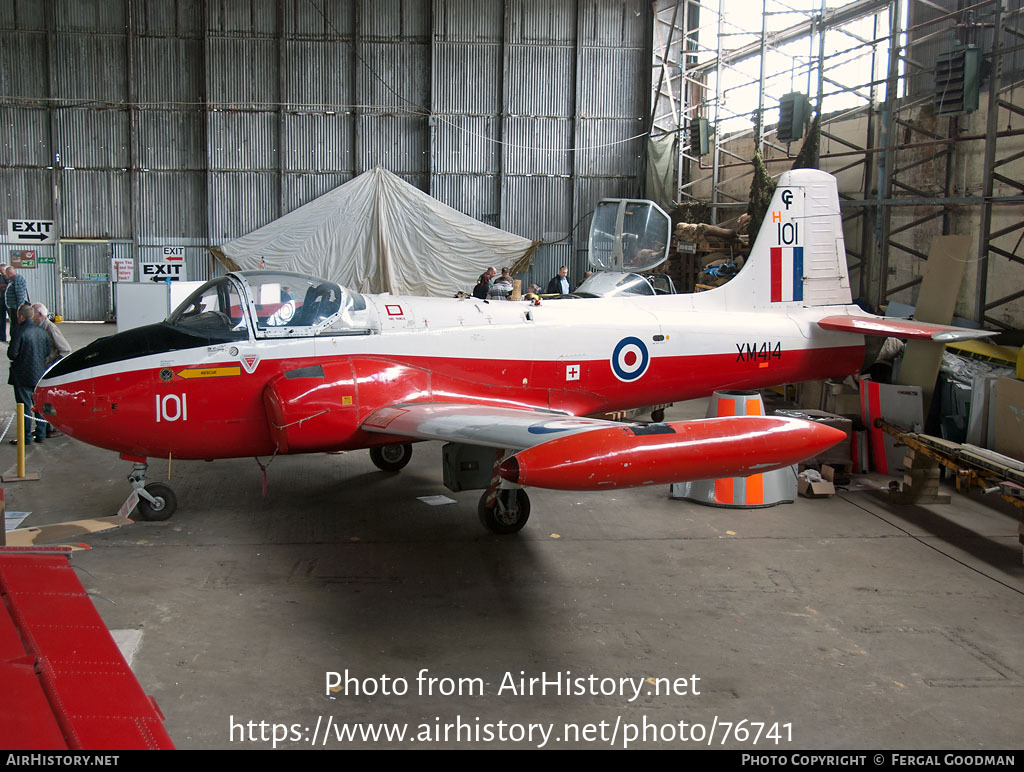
column 15, row 295
column 3, row 291
column 59, row 346
column 560, row 285
column 30, row 345
column 483, row 284
column 502, row 286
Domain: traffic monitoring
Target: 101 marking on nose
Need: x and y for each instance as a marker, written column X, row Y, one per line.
column 171, row 407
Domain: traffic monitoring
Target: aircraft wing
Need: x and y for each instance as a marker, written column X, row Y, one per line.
column 899, row 328
column 494, row 427
column 569, row 453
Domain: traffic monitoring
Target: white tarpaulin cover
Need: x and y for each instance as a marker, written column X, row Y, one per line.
column 378, row 233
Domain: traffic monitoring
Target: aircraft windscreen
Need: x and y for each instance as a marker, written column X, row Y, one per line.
column 605, row 284
column 213, row 309
column 293, row 304
column 280, row 304
column 602, row 236
column 645, row 232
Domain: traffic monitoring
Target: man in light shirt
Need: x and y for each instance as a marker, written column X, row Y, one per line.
column 560, row 285
column 59, row 347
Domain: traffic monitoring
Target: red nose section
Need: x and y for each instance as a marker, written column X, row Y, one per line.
column 67, row 408
column 629, row 456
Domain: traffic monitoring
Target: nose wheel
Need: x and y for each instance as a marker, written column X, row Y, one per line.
column 162, row 505
column 156, row 500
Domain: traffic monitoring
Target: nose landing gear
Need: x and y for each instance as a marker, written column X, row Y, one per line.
column 156, row 500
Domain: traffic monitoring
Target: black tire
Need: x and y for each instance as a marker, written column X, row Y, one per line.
column 166, row 502
column 391, row 458
column 500, row 518
column 658, row 416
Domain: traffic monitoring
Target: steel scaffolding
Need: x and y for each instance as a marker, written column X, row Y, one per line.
column 906, row 173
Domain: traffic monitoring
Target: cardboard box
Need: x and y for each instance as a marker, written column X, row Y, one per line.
column 814, row 490
column 1006, row 434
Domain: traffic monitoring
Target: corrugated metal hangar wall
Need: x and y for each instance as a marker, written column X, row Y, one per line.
column 137, row 125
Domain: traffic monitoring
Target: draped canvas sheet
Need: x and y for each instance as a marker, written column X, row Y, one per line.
column 378, row 233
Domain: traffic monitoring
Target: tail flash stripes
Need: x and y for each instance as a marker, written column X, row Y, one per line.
column 787, row 281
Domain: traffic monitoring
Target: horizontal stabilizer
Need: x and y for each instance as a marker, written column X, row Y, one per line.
column 899, row 328
column 628, row 456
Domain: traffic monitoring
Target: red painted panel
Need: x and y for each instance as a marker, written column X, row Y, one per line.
column 80, row 690
column 26, row 719
column 10, row 642
column 898, row 328
column 313, row 413
column 879, row 459
column 776, row 274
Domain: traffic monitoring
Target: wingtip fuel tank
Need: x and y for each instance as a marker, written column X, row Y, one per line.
column 657, row 454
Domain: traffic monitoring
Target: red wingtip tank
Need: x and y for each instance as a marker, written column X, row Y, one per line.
column 659, row 454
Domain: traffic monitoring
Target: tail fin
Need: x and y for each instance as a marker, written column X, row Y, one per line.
column 798, row 257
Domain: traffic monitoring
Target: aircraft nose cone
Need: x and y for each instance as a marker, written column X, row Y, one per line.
column 63, row 406
column 823, row 437
column 43, row 401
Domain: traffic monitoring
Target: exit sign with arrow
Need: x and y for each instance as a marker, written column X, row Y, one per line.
column 31, row 231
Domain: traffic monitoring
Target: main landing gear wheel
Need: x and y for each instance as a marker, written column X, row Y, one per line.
column 509, row 514
column 658, row 415
column 163, row 507
column 391, row 458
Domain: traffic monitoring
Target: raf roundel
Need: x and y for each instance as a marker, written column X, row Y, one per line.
column 552, row 427
column 630, row 359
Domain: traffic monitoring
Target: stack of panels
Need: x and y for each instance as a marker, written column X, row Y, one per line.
column 65, row 683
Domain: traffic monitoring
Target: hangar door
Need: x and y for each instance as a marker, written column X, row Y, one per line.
column 85, row 280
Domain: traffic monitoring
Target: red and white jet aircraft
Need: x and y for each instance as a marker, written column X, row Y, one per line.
column 257, row 363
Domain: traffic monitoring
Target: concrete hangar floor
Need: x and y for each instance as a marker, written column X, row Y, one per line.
column 622, row 619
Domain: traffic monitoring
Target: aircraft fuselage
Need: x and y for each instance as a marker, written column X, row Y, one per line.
column 251, row 396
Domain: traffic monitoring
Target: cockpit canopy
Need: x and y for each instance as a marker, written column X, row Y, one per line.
column 270, row 305
column 606, row 284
